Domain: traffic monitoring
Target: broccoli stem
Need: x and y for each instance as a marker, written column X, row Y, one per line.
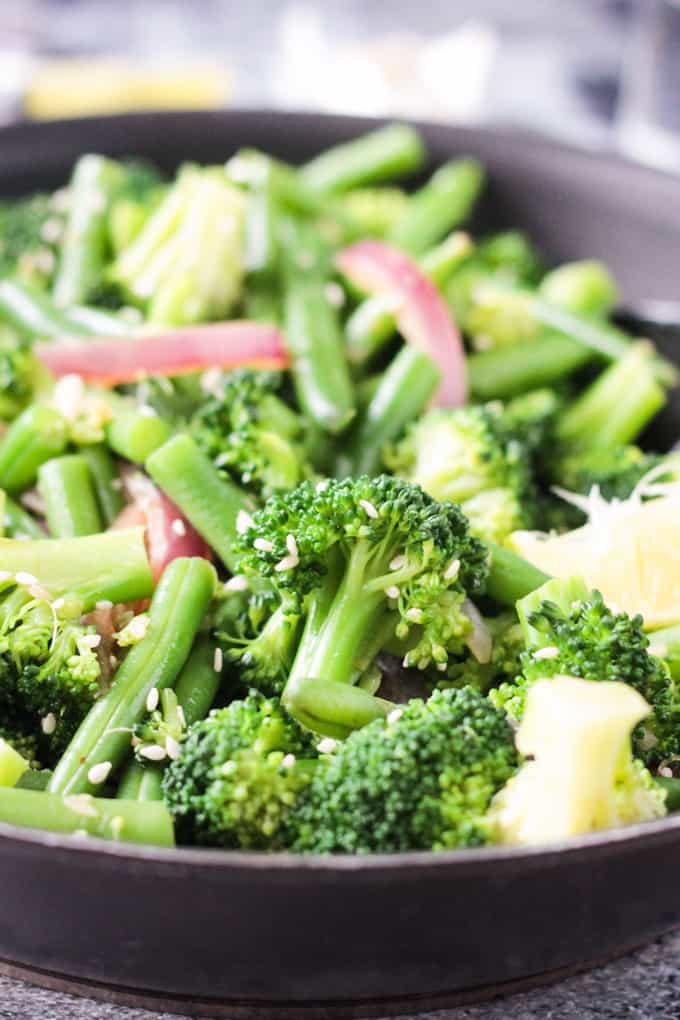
column 439, row 206
column 105, row 480
column 210, row 502
column 527, row 365
column 37, row 435
column 403, row 392
column 177, row 608
column 18, row 523
column 390, row 151
column 127, row 821
column 112, row 565
column 510, row 577
column 134, row 434
column 85, row 243
column 196, row 688
column 319, row 367
column 614, row 409
column 66, row 486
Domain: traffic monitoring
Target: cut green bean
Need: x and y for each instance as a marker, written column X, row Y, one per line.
column 34, row 315
column 440, row 205
column 390, row 151
column 67, row 490
column 111, row 566
column 96, row 322
column 510, row 576
column 18, row 523
column 37, row 435
column 585, row 288
column 527, row 365
column 107, row 484
column 135, row 433
column 319, row 368
column 210, row 502
column 403, row 393
column 85, row 241
column 103, row 738
column 260, row 255
column 120, row 820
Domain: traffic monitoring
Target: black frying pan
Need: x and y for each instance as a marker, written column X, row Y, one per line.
column 242, row 935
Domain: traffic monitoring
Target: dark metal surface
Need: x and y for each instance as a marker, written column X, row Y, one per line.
column 267, row 936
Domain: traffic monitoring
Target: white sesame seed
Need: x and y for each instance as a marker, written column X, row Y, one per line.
column 452, row 570
column 288, row 761
column 334, row 294
column 103, row 604
column 327, row 745
column 152, row 699
column 415, row 614
column 243, row 521
column 398, row 562
column 147, row 411
column 395, row 715
column 237, row 583
column 81, row 804
column 392, row 592
column 322, row 485
column 368, row 507
column 181, row 716
column 287, row 563
column 664, row 771
column 48, row 724
column 153, row 752
column 549, row 652
column 263, row 545
column 51, row 230
column 218, row 660
column 178, row 526
column 90, row 640
column 172, row 747
column 291, row 545
column 99, row 773
column 23, row 577
column 113, row 661
column 211, row 380
column 441, row 667
column 117, row 484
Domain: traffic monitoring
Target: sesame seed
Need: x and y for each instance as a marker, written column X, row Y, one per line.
column 113, row 661
column 665, row 771
column 178, row 526
column 24, row 578
column 99, row 773
column 334, row 294
column 291, row 545
column 368, row 507
column 48, row 724
column 81, row 804
column 147, row 411
column 398, row 562
column 51, row 230
column 90, row 640
column 327, row 745
column 117, row 484
column 181, row 716
column 263, row 545
column 549, row 652
column 243, row 521
column 415, row 614
column 237, row 583
column 218, row 660
column 322, row 485
column 452, row 570
column 287, row 563
column 103, row 604
column 173, row 749
column 152, row 700
column 288, row 761
column 153, row 752
column 395, row 715
column 392, row 592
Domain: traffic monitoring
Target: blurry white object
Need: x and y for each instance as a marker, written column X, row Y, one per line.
column 445, row 77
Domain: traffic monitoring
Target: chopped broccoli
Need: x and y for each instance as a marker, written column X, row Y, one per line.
column 582, row 775
column 239, row 775
column 569, row 630
column 30, row 231
column 162, row 727
column 250, row 433
column 22, row 376
column 422, row 779
column 503, row 665
column 363, row 558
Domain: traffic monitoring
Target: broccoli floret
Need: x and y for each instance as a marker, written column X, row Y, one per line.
column 503, row 665
column 569, row 630
column 252, row 435
column 582, row 775
column 25, row 744
column 363, row 558
column 30, row 231
column 471, row 456
column 163, row 726
column 49, row 667
column 422, row 779
column 186, row 263
column 239, row 776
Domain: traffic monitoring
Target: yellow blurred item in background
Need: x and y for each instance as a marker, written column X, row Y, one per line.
column 78, row 88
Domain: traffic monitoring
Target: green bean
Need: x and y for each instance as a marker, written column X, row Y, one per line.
column 210, row 502
column 33, row 314
column 125, row 821
column 260, row 255
column 71, row 510
column 390, row 151
column 320, row 373
column 84, row 246
column 18, row 523
column 103, row 738
column 510, row 576
column 529, row 364
column 439, row 206
column 585, row 288
column 37, row 435
column 135, row 433
column 96, row 322
column 105, row 479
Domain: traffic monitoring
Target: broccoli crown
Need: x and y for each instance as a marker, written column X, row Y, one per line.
column 251, row 434
column 387, row 539
column 49, row 667
column 420, row 779
column 239, row 775
column 30, row 230
column 615, row 471
column 472, row 456
column 25, row 744
column 590, row 641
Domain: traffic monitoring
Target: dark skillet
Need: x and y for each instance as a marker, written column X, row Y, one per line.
column 241, row 935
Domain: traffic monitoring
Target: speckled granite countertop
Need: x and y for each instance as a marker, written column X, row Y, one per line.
column 644, row 986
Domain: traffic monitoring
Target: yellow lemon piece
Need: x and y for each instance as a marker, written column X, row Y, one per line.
column 629, row 551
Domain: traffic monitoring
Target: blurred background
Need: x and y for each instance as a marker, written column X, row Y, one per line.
column 601, row 72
